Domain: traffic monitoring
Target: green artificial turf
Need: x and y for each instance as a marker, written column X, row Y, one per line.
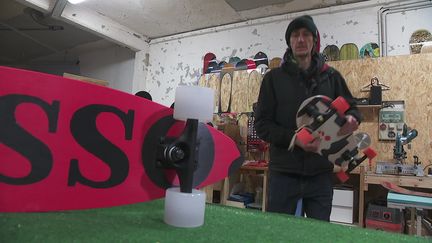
column 144, row 223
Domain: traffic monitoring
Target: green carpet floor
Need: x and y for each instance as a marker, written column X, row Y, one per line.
column 144, row 223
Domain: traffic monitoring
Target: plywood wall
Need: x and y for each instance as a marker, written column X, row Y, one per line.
column 409, row 78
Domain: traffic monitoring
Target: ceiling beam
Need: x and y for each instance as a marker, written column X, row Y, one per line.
column 44, row 6
column 103, row 26
column 29, row 37
column 58, row 8
column 89, row 20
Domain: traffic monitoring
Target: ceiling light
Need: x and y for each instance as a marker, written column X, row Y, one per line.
column 75, row 1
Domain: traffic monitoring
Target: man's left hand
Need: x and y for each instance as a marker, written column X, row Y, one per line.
column 350, row 126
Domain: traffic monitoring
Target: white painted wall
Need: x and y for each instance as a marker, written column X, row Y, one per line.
column 401, row 25
column 178, row 60
column 113, row 64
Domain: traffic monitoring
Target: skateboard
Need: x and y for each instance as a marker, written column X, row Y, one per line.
column 275, row 62
column 261, row 58
column 321, row 117
column 213, row 67
column 251, row 64
column 233, row 60
column 208, row 57
column 349, row 51
column 370, row 50
column 68, row 145
column 254, row 84
column 395, row 188
column 225, row 93
column 241, row 65
column 331, row 53
column 239, row 94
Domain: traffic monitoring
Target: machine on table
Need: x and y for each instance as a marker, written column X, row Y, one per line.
column 399, row 155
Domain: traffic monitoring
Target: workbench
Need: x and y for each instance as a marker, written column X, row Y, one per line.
column 371, row 178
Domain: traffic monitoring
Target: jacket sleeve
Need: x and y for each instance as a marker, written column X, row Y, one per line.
column 265, row 125
column 343, row 90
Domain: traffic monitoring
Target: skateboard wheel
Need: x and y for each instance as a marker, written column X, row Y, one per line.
column 370, row 153
column 304, row 136
column 341, row 105
column 342, row 176
column 193, row 102
column 185, row 210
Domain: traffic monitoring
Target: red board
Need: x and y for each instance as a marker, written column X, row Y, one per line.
column 66, row 144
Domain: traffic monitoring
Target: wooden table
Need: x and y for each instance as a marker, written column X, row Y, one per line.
column 367, row 178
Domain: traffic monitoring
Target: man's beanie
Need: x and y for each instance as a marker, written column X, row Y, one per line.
column 304, row 21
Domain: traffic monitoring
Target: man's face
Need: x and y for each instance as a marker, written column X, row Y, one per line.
column 301, row 41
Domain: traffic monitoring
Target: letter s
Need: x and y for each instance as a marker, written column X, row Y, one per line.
column 18, row 139
column 85, row 132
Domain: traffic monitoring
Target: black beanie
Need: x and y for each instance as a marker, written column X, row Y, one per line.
column 304, row 21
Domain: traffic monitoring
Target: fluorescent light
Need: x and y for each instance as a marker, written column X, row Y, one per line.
column 75, row 1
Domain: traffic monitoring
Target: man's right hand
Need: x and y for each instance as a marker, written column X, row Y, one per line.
column 309, row 147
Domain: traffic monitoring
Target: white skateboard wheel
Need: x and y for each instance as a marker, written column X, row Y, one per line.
column 185, row 210
column 193, row 102
column 363, row 140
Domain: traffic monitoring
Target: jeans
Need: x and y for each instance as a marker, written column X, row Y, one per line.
column 286, row 189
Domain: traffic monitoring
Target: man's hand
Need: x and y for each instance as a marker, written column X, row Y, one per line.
column 309, row 147
column 350, row 126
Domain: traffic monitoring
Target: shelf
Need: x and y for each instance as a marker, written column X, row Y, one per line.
column 368, row 106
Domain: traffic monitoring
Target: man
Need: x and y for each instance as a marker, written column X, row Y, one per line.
column 299, row 172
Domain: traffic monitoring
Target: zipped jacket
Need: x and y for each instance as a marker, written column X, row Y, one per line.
column 282, row 91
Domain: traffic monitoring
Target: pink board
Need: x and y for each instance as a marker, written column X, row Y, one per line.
column 66, row 144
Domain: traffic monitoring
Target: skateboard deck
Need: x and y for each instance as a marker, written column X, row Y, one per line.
column 225, row 93
column 254, row 84
column 239, row 102
column 241, row 65
column 261, row 58
column 251, row 64
column 233, row 60
column 213, row 67
column 214, row 83
column 395, row 188
column 349, row 51
column 67, row 145
column 321, row 117
column 275, row 62
column 370, row 50
column 331, row 53
column 208, row 57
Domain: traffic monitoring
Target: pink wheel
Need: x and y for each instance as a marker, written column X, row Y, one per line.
column 341, row 105
column 304, row 136
column 370, row 153
column 342, row 176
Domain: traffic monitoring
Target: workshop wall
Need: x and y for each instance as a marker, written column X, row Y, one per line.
column 178, row 61
column 409, row 78
column 113, row 64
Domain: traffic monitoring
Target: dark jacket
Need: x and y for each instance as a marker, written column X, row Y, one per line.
column 282, row 91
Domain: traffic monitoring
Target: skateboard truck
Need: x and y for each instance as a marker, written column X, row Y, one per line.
column 185, row 206
column 179, row 154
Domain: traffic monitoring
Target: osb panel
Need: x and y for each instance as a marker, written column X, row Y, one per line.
column 225, row 95
column 255, row 79
column 213, row 81
column 202, row 82
column 409, row 78
column 239, row 91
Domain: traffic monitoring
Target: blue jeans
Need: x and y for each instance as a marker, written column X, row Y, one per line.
column 286, row 189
